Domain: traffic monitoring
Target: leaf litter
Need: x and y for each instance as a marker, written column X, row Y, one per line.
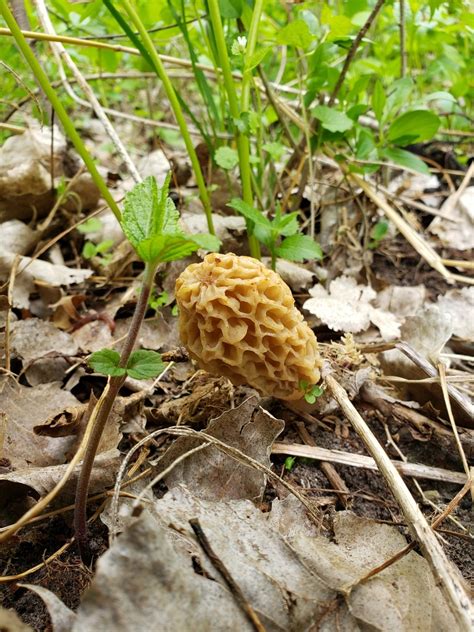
column 297, row 574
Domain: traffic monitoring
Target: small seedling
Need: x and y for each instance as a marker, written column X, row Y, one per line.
column 377, row 233
column 289, row 463
column 311, row 391
column 158, row 300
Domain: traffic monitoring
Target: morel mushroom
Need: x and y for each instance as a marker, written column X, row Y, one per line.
column 237, row 318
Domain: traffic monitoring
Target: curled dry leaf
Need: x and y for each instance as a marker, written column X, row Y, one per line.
column 212, row 474
column 30, row 270
column 17, row 237
column 19, row 488
column 26, row 408
column 348, row 307
column 62, row 618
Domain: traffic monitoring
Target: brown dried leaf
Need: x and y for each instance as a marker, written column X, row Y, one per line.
column 18, row 488
column 33, row 338
column 211, row 474
column 26, row 408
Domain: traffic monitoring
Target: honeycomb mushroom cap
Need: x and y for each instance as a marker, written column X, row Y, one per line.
column 238, row 318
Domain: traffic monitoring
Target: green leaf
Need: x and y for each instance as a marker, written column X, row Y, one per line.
column 92, row 225
column 106, row 361
column 226, row 157
column 286, row 225
column 230, row 8
column 417, row 126
column 298, row 248
column 295, row 33
column 206, row 241
column 276, row 150
column 332, row 120
column 249, row 212
column 378, row 100
column 289, row 463
column 405, row 159
column 256, row 59
column 148, row 215
column 377, row 233
column 89, row 250
column 104, row 246
column 144, row 364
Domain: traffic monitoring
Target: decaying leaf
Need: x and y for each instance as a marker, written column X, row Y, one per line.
column 457, row 229
column 20, row 488
column 33, row 338
column 18, row 237
column 403, row 597
column 210, row 473
column 459, row 304
column 10, row 622
column 347, row 307
column 26, row 408
column 30, row 270
column 62, row 618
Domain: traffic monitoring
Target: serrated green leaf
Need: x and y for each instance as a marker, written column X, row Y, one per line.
column 332, row 120
column 418, row 125
column 287, row 225
column 149, row 215
column 226, row 157
column 295, row 33
column 298, row 248
column 106, row 361
column 405, row 159
column 249, row 212
column 144, row 364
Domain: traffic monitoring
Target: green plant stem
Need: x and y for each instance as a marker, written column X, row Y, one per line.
column 176, row 107
column 242, row 140
column 63, row 116
column 104, row 405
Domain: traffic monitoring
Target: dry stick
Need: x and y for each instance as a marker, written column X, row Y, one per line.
column 229, row 580
column 420, row 245
column 447, row 401
column 415, row 470
column 353, row 49
column 443, row 569
column 59, row 51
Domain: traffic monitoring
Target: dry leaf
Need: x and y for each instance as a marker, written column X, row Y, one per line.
column 457, row 231
column 212, row 474
column 62, row 618
column 146, row 581
column 19, row 488
column 347, row 307
column 34, row 338
column 10, row 622
column 17, row 237
column 404, row 597
column 26, row 408
column 459, row 304
column 30, row 270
